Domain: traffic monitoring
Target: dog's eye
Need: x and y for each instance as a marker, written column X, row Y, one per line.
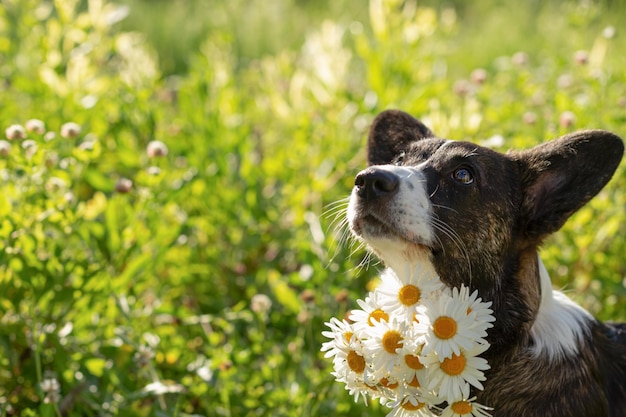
column 463, row 175
column 399, row 159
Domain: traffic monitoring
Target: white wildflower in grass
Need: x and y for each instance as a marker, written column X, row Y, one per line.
column 123, row 185
column 466, row 408
column 70, row 130
column 30, row 148
column 15, row 132
column 452, row 377
column 450, row 326
column 156, row 148
column 399, row 295
column 154, row 171
column 260, row 303
column 52, row 390
column 36, row 126
column 414, row 344
column 143, row 356
column 5, row 147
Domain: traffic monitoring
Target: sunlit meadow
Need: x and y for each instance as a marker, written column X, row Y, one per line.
column 174, row 180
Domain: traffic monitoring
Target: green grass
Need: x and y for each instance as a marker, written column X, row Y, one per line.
column 138, row 301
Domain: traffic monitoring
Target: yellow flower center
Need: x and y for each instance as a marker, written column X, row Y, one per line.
column 356, row 362
column 385, row 383
column 392, row 340
column 348, row 336
column 462, row 407
column 444, row 327
column 412, row 407
column 453, row 365
column 414, row 382
column 409, row 295
column 413, row 362
column 377, row 315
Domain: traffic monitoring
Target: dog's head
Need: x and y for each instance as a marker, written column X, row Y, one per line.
column 477, row 215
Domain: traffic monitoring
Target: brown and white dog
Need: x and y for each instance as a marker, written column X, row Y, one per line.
column 479, row 216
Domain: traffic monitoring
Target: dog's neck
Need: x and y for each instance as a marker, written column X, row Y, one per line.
column 555, row 325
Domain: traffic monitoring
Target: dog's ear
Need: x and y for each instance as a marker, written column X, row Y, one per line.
column 560, row 176
column 391, row 133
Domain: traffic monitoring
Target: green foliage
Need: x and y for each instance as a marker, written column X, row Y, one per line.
column 196, row 281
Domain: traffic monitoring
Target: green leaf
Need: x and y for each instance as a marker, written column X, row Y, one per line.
column 99, row 180
column 283, row 293
column 95, row 366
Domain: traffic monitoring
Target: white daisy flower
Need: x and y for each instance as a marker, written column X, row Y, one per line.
column 449, row 326
column 350, row 366
column 452, row 376
column 358, row 388
column 414, row 344
column 410, row 368
column 478, row 309
column 386, row 339
column 342, row 335
column 466, row 408
column 414, row 386
column 388, row 388
column 400, row 296
column 371, row 313
column 410, row 406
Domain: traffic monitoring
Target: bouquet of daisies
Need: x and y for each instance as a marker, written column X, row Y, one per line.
column 415, row 345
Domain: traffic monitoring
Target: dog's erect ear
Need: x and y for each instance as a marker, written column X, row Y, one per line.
column 560, row 176
column 390, row 134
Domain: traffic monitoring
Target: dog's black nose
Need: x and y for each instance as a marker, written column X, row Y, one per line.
column 374, row 183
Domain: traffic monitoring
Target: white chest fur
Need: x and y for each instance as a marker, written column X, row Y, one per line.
column 560, row 323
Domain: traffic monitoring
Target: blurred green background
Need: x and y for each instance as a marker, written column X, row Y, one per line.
column 195, row 279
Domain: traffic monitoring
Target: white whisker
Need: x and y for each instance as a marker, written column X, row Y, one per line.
column 446, row 208
column 454, row 238
column 434, row 192
column 343, row 237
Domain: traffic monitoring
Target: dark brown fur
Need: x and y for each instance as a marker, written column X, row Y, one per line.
column 592, row 384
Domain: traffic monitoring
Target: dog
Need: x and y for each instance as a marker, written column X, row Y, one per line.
column 478, row 217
